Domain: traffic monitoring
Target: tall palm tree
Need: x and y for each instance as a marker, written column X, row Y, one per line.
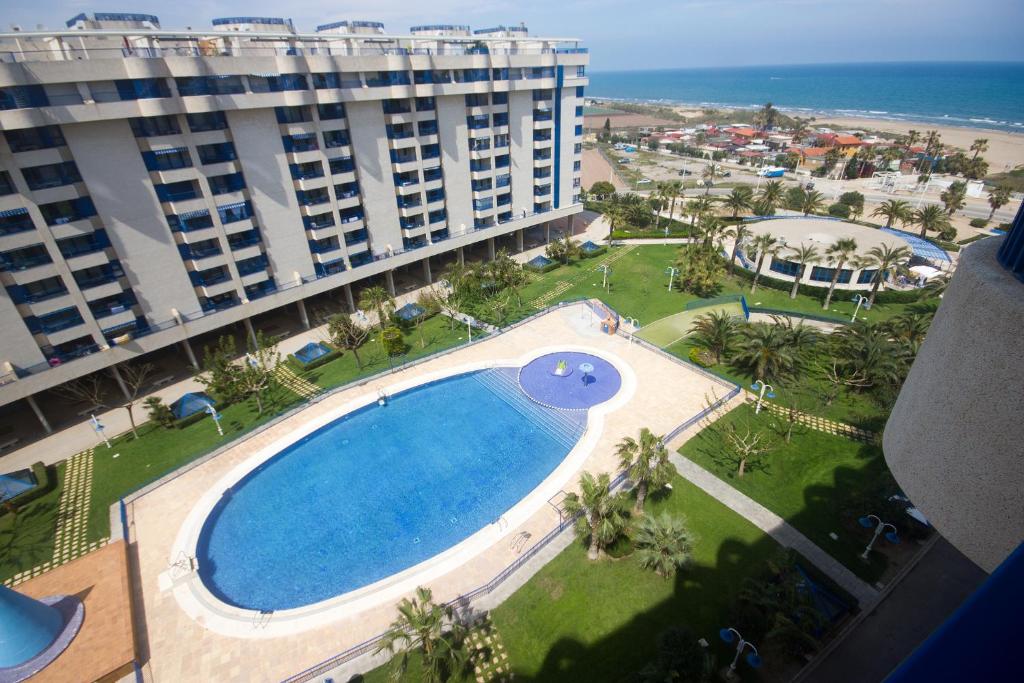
column 910, row 328
column 699, row 207
column 885, row 259
column 931, row 217
column 378, row 299
column 766, row 116
column 662, row 543
column 979, row 146
column 712, row 229
column 647, row 463
column 601, row 513
column 715, row 332
column 709, row 174
column 893, row 210
column 657, row 202
column 765, row 352
column 613, row 213
column 804, row 255
column 800, row 128
column 812, row 202
column 672, row 190
column 839, row 253
column 764, row 245
column 912, row 137
column 997, row 198
column 954, row 197
column 932, row 146
column 772, row 194
column 738, row 232
column 739, row 199
column 432, row 631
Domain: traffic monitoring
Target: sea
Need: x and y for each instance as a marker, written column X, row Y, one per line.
column 975, row 94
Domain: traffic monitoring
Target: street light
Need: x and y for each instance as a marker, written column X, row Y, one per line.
column 729, row 635
column 211, row 411
column 869, row 521
column 606, row 270
column 98, row 427
column 671, row 272
column 860, row 299
column 634, row 324
column 764, row 390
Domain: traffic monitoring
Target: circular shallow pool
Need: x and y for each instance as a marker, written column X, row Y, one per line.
column 570, row 380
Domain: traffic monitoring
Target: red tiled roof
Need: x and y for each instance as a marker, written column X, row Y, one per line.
column 848, row 140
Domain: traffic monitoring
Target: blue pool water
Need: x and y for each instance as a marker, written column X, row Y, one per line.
column 380, row 490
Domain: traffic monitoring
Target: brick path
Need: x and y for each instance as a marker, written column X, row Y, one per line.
column 823, row 424
column 565, row 285
column 289, row 379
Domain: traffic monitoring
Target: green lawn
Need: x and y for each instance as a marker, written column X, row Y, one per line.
column 26, row 538
column 578, row 620
column 819, row 483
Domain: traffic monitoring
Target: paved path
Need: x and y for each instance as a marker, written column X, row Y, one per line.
column 822, row 424
column 776, row 527
column 287, row 377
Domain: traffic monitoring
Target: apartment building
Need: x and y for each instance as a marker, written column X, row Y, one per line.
column 157, row 185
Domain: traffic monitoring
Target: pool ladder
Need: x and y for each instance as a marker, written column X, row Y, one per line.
column 261, row 619
column 382, row 397
column 502, row 523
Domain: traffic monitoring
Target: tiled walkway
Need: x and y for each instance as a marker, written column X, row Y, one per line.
column 287, row 377
column 822, row 424
column 562, row 287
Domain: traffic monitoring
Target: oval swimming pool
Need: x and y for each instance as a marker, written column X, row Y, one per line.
column 380, row 490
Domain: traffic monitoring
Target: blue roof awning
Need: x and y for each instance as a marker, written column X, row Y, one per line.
column 410, row 311
column 13, row 212
column 189, row 215
column 920, row 247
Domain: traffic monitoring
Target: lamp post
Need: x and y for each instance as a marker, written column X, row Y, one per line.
column 634, row 324
column 98, row 427
column 860, row 299
column 211, row 411
column 763, row 390
column 730, row 635
column 671, row 271
column 605, row 270
column 869, row 521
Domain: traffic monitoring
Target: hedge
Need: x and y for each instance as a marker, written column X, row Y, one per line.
column 296, row 364
column 596, row 252
column 969, row 240
column 545, row 269
column 46, row 479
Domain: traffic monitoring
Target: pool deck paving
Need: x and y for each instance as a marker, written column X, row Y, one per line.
column 666, row 394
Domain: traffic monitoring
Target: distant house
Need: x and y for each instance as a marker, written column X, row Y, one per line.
column 848, row 145
column 743, row 132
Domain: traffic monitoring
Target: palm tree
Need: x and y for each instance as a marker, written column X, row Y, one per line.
column 601, row 514
column 612, row 212
column 766, row 116
column 868, row 352
column 738, row 232
column 672, row 190
column 912, row 137
column 376, row 298
column 739, row 199
column 763, row 244
column 839, row 253
column 979, row 146
column 657, row 203
column 421, row 627
column 885, row 259
column 931, row 217
column 709, row 174
column 715, row 332
column 699, row 207
column 647, row 463
column 804, row 254
column 910, row 328
column 711, row 229
column 772, row 195
column 954, row 197
column 663, row 544
column 998, row 198
column 893, row 210
column 800, row 128
column 932, row 146
column 765, row 352
column 811, row 202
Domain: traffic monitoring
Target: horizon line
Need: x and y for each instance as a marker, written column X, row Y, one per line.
column 773, row 66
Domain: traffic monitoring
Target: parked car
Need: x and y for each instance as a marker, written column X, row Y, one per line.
column 685, row 172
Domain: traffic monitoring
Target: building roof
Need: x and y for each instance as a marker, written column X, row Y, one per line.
column 823, row 233
column 847, row 140
column 744, row 132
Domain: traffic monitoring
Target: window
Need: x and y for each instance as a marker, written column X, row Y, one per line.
column 542, row 115
column 299, row 114
column 541, row 72
column 430, row 151
column 59, row 213
column 579, row 111
column 501, row 140
column 251, row 265
column 311, row 169
column 435, row 195
column 579, row 131
column 430, row 174
column 341, row 165
column 406, row 178
column 409, row 201
column 325, row 245
column 395, row 106
column 24, row 258
column 503, row 180
column 141, row 88
column 346, row 190
column 277, row 82
column 785, row 267
column 822, row 274
column 505, row 199
column 63, row 319
column 223, row 184
column 540, row 95
column 210, row 276
column 190, row 221
column 330, row 268
column 477, row 122
column 483, row 204
column 29, row 139
column 213, row 120
column 40, row 290
column 95, row 241
column 501, row 119
column 479, row 144
column 351, row 214
column 209, row 85
column 241, row 240
column 312, row 197
column 501, row 161
column 167, row 159
column 500, row 75
column 476, row 100
column 428, row 128
column 355, row 237
column 319, row 221
column 425, row 104
column 581, row 71
column 198, row 250
column 331, row 112
column 480, row 164
column 437, row 216
column 216, row 153
column 579, row 91
column 326, row 81
column 866, row 277
column 481, row 185
column 176, row 192
column 22, row 97
column 153, row 126
column 51, row 175
column 14, row 221
column 335, row 138
column 112, row 305
column 383, row 79
column 472, row 75
column 300, row 142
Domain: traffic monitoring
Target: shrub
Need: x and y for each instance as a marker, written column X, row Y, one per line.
column 979, row 223
column 969, row 240
column 839, row 210
column 700, row 357
column 394, row 344
column 299, row 366
column 159, row 412
column 595, row 252
column 543, row 269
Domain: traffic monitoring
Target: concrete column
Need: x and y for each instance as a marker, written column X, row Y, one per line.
column 350, row 299
column 490, row 249
column 249, row 329
column 303, row 315
column 572, row 223
column 389, row 281
column 185, row 344
column 39, row 414
column 519, row 239
column 462, row 256
column 120, row 382
column 428, row 277
column 547, row 232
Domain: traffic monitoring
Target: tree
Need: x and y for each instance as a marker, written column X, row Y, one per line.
column 698, row 208
column 377, row 299
column 392, row 341
column 804, row 255
column 563, row 250
column 997, row 198
column 430, row 630
column 912, row 137
column 709, row 174
column 612, row 212
column 507, row 273
column 715, row 332
column 257, row 373
column 839, row 253
column 739, row 199
column 765, row 352
column 794, row 198
column 159, row 412
column 662, row 543
column 839, row 210
column 602, row 189
column 764, row 245
column 931, row 217
column 885, row 259
column 672, row 190
column 219, row 375
column 893, row 210
column 975, row 169
column 607, row 128
column 910, row 329
column 647, row 464
column 771, row 196
column 134, row 377
column 766, row 116
column 712, row 229
column 343, row 332
column 954, row 197
column 700, row 269
column 866, row 353
column 743, row 439
column 800, row 128
column 979, row 146
column 601, row 513
column 854, row 200
column 738, row 232
column 812, row 202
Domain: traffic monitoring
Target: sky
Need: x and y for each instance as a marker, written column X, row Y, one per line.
column 625, row 35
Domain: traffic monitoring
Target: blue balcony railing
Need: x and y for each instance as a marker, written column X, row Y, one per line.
column 1011, row 252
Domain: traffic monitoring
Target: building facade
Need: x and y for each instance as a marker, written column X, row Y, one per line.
column 157, row 185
